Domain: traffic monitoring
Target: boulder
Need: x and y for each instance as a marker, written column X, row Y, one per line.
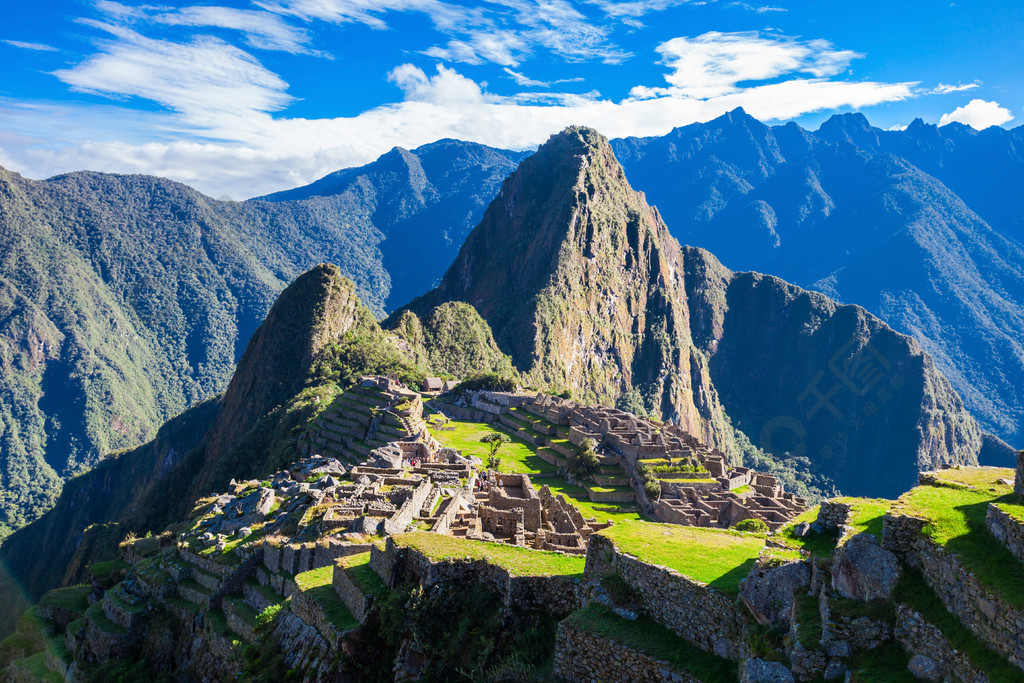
column 770, row 592
column 802, row 529
column 835, row 670
column 760, row 671
column 925, row 668
column 863, row 570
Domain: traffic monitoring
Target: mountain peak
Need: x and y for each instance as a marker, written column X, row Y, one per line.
column 851, row 128
column 320, row 306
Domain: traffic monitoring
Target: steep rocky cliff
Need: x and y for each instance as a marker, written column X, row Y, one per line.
column 586, row 290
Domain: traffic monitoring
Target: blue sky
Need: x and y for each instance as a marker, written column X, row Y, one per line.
column 243, row 98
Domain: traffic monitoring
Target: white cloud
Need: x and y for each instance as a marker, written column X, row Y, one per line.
column 505, row 48
column 248, row 152
column 263, row 30
column 945, row 89
column 39, row 47
column 207, row 80
column 633, row 8
column 501, row 31
column 714, row 64
column 524, row 81
column 978, row 114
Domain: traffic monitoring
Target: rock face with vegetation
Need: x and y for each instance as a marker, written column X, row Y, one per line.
column 586, row 290
column 126, row 299
column 453, row 340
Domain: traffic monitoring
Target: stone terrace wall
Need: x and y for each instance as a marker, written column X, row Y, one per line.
column 841, row 636
column 988, row 616
column 1009, row 531
column 580, row 655
column 900, row 533
column 555, row 595
column 922, row 639
column 357, row 603
column 1019, row 482
column 700, row 614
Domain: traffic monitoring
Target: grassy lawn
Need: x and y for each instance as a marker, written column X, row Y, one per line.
column 317, row 586
column 867, row 517
column 956, row 520
column 1012, row 508
column 648, row 636
column 366, row 580
column 868, row 514
column 717, row 557
column 109, row 572
column 95, row 613
column 517, row 456
column 74, row 598
column 518, row 561
column 913, row 591
column 887, row 663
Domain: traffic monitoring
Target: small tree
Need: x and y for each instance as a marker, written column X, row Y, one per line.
column 585, row 463
column 494, row 442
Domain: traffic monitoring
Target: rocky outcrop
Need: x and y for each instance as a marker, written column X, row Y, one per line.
column 769, row 591
column 863, row 570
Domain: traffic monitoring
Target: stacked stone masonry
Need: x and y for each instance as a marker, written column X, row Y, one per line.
column 582, row 657
column 715, row 495
column 991, row 618
column 702, row 615
column 1007, row 529
column 921, row 639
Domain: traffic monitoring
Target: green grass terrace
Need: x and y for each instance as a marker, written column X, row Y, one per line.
column 317, row 586
column 719, row 558
column 955, row 511
column 516, row 560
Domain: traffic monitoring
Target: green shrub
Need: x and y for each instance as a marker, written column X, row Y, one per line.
column 753, row 524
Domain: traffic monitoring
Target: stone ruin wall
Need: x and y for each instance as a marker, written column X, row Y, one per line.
column 921, row 638
column 698, row 613
column 578, row 655
column 558, row 596
column 1007, row 530
column 992, row 619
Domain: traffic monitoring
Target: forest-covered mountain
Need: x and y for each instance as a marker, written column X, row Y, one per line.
column 923, row 227
column 126, row 299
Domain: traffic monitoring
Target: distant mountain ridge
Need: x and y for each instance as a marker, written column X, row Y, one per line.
column 923, row 227
column 424, row 202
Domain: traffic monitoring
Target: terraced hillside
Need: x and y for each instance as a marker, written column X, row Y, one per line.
column 361, row 419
